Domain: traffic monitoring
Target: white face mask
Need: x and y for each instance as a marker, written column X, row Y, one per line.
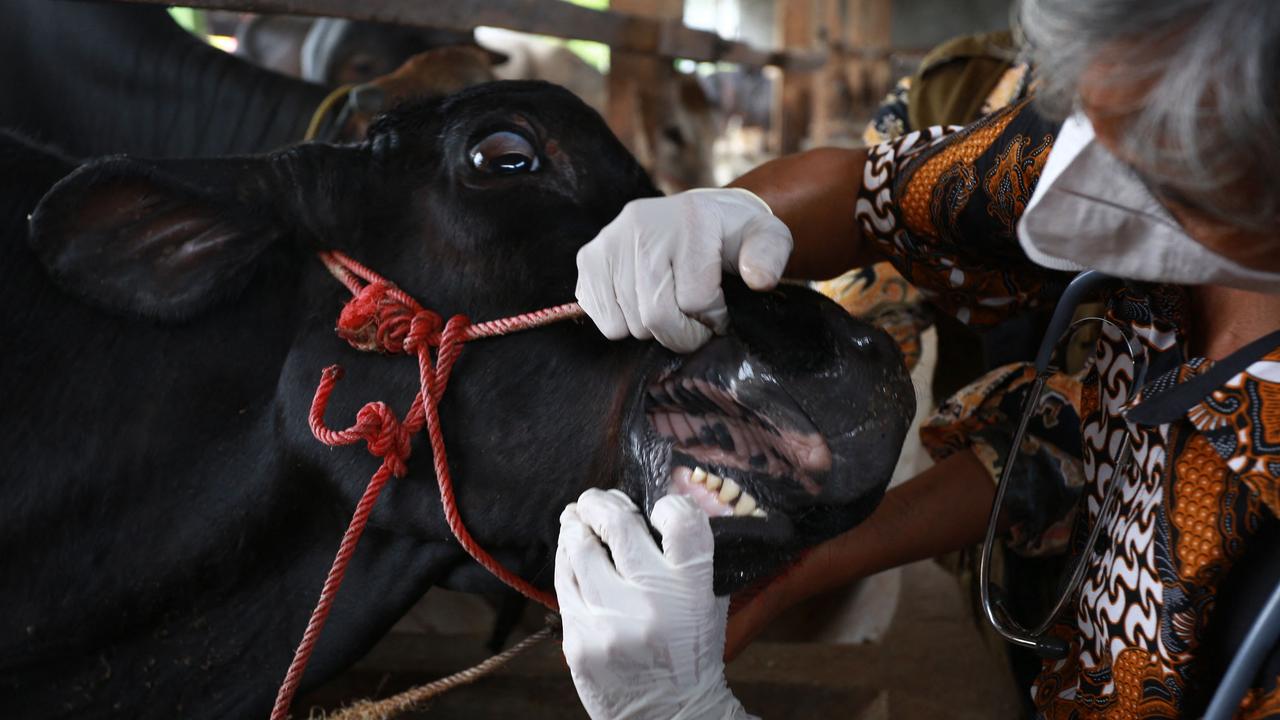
column 1091, row 211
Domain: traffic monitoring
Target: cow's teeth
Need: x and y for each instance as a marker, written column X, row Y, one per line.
column 729, row 491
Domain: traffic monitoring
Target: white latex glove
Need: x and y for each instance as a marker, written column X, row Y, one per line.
column 643, row 633
column 654, row 272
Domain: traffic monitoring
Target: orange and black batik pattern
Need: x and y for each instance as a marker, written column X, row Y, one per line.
column 1203, row 489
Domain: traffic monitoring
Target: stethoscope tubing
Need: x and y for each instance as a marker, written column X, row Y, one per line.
column 1258, row 643
column 1263, row 635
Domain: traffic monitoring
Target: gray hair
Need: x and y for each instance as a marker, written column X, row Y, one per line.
column 1204, row 78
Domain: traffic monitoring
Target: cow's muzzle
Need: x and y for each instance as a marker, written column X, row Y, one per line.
column 740, row 445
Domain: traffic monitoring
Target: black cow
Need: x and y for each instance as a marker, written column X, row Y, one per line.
column 168, row 517
column 99, row 78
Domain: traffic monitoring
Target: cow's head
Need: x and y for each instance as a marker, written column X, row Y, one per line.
column 785, row 430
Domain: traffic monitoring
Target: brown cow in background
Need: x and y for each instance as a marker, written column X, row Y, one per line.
column 678, row 125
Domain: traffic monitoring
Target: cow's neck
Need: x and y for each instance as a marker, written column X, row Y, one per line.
column 163, row 471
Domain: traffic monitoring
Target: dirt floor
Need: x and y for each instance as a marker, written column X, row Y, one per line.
column 932, row 663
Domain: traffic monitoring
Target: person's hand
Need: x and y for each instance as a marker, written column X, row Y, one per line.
column 654, row 272
column 643, row 632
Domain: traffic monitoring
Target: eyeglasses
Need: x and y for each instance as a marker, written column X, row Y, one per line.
column 1061, row 327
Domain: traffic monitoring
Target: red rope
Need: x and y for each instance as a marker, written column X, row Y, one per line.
column 382, row 317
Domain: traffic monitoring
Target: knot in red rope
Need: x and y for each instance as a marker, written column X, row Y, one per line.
column 376, row 424
column 384, row 318
column 386, row 436
column 424, row 331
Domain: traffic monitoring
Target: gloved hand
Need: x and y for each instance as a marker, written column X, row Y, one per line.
column 643, row 633
column 654, row 272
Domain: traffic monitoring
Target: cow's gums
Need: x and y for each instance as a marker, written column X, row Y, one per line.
column 171, row 518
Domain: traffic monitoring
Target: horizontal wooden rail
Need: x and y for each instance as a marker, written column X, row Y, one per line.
column 625, row 33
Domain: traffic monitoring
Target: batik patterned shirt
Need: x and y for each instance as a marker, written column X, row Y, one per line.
column 1197, row 504
column 877, row 294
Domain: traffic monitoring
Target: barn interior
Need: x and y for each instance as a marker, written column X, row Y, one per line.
column 700, row 91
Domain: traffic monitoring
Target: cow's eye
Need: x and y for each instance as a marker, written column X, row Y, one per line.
column 504, row 153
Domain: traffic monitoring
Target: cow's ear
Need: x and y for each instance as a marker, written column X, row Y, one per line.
column 165, row 239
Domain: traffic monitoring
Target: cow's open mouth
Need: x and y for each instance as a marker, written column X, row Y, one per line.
column 739, row 444
column 784, row 431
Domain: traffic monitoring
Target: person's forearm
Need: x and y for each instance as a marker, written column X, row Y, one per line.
column 814, row 193
column 942, row 509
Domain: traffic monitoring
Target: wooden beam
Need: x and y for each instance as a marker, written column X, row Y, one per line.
column 620, row 31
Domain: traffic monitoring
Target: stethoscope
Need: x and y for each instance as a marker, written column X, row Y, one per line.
column 1264, row 633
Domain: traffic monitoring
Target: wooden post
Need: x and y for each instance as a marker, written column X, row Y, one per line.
column 795, row 23
column 631, row 32
column 868, row 25
column 881, row 23
column 825, row 82
column 856, row 37
column 631, row 75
